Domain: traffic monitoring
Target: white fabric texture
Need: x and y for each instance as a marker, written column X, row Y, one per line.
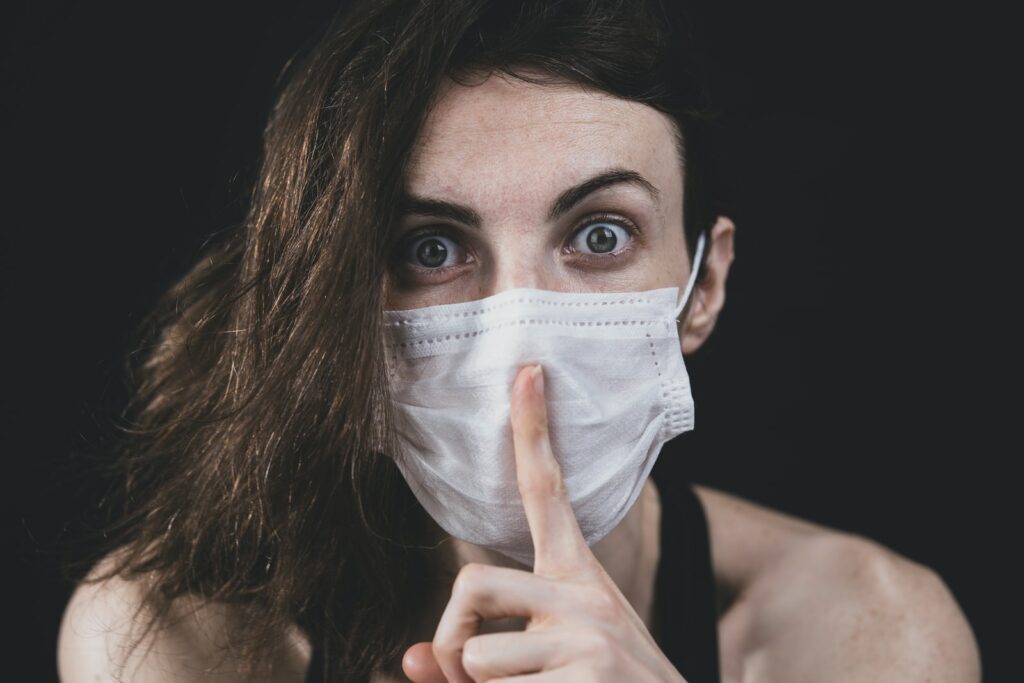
column 616, row 388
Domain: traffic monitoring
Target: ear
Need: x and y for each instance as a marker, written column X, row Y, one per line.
column 709, row 291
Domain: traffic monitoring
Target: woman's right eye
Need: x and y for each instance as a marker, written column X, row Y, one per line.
column 433, row 252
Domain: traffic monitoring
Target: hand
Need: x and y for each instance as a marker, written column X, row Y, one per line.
column 580, row 627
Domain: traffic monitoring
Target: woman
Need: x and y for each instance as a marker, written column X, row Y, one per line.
column 307, row 499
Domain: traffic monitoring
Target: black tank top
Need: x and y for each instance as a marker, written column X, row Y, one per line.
column 685, row 614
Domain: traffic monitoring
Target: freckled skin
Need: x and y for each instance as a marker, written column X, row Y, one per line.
column 797, row 611
column 507, row 149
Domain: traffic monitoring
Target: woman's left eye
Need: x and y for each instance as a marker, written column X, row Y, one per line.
column 600, row 237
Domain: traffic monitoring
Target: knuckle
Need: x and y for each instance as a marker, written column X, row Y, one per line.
column 474, row 657
column 468, row 580
column 544, row 482
column 443, row 651
column 597, row 645
column 600, row 604
column 536, row 428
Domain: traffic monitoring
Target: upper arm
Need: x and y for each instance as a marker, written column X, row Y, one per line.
column 100, row 640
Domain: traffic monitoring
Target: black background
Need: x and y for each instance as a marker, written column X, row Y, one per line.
column 859, row 376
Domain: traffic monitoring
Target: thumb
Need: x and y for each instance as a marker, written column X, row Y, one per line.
column 420, row 666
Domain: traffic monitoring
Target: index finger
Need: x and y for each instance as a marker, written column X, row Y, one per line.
column 558, row 544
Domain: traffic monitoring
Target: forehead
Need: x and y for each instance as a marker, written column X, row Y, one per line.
column 506, row 137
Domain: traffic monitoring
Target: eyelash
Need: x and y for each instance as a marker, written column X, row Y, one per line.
column 406, row 244
column 612, row 219
column 441, row 231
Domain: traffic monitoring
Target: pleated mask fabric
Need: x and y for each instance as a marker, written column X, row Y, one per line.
column 616, row 389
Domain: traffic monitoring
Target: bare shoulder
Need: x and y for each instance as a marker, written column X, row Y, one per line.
column 812, row 599
column 102, row 637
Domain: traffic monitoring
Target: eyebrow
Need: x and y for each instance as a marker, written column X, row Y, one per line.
column 438, row 208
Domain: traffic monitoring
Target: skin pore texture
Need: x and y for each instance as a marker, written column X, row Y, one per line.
column 505, row 151
column 804, row 603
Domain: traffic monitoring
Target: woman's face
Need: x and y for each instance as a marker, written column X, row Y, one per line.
column 554, row 187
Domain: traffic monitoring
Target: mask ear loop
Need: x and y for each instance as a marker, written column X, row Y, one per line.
column 693, row 274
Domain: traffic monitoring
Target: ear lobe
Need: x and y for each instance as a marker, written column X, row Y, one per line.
column 709, row 292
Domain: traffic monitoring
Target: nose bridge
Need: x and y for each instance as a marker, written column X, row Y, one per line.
column 524, row 265
column 521, row 258
column 519, row 274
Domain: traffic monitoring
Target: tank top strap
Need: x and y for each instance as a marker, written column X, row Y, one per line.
column 685, row 611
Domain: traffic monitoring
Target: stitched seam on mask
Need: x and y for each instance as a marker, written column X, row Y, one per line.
column 513, row 323
column 674, row 418
column 677, row 417
column 664, row 388
column 504, row 304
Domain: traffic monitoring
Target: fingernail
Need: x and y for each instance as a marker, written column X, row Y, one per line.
column 538, row 381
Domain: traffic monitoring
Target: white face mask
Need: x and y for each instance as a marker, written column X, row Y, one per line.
column 616, row 389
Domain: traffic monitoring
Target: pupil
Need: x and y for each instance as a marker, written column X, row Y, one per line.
column 601, row 240
column 432, row 253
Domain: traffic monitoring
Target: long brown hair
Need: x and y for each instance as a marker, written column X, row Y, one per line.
column 253, row 456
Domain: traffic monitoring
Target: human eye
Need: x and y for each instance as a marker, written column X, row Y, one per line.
column 430, row 254
column 603, row 236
